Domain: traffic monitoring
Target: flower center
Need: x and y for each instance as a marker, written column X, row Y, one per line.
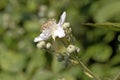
column 50, row 25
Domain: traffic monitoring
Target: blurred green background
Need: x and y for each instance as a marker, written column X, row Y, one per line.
column 20, row 22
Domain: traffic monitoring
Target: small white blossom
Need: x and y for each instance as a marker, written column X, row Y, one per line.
column 51, row 28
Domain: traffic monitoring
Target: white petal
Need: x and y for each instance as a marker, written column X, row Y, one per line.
column 59, row 32
column 37, row 39
column 43, row 36
column 62, row 19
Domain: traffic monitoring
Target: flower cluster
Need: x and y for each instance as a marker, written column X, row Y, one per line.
column 61, row 29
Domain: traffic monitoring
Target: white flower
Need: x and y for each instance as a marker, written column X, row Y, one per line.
column 51, row 28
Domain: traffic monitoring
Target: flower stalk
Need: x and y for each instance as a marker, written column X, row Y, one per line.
column 85, row 69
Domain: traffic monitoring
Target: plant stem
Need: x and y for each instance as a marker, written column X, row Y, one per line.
column 86, row 70
column 117, row 77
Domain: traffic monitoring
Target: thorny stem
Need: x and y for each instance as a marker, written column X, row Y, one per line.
column 85, row 69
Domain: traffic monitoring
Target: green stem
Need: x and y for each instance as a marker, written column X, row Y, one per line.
column 86, row 70
column 117, row 77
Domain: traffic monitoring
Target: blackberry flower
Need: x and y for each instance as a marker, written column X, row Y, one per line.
column 51, row 28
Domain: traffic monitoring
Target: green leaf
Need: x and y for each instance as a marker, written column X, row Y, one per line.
column 105, row 71
column 68, row 77
column 43, row 75
column 3, row 3
column 115, row 60
column 99, row 69
column 99, row 52
column 102, row 52
column 12, row 76
column 109, row 26
column 12, row 61
column 75, row 71
column 107, row 11
column 32, row 26
column 38, row 60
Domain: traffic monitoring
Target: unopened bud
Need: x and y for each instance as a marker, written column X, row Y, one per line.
column 69, row 30
column 48, row 45
column 41, row 44
column 66, row 25
column 71, row 48
column 60, row 57
column 77, row 49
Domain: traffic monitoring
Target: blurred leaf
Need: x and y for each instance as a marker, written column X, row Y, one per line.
column 105, row 12
column 101, row 35
column 3, row 3
column 115, row 60
column 104, row 71
column 69, row 77
column 43, row 75
column 25, row 46
column 32, row 5
column 102, row 52
column 110, row 35
column 32, row 26
column 97, row 5
column 57, row 66
column 99, row 52
column 109, row 26
column 38, row 60
column 99, row 69
column 12, row 61
column 114, row 72
column 11, row 76
column 75, row 71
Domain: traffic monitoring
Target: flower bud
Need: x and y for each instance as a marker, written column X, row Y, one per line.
column 60, row 57
column 66, row 61
column 71, row 48
column 69, row 30
column 66, row 25
column 41, row 44
column 48, row 45
column 77, row 49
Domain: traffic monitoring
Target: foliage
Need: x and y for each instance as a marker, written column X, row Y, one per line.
column 95, row 25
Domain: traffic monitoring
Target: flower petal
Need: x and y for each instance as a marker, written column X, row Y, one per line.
column 59, row 32
column 62, row 19
column 43, row 36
